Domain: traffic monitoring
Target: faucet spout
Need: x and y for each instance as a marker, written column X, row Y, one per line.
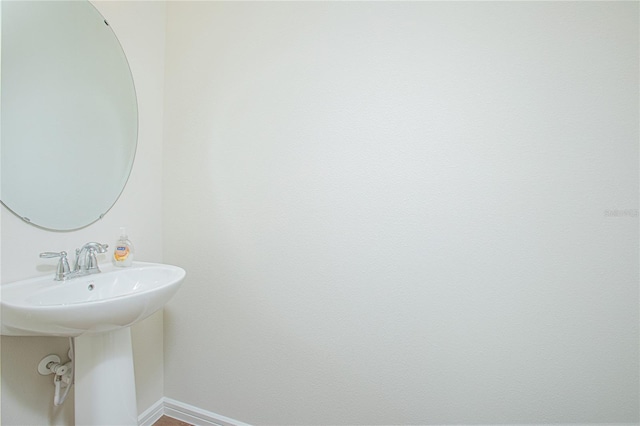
column 86, row 261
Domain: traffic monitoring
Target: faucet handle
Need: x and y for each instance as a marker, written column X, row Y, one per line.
column 63, row 264
column 99, row 248
column 92, row 260
column 49, row 254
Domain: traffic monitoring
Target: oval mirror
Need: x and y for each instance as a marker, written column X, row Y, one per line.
column 69, row 118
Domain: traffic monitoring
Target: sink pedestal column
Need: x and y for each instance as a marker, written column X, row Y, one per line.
column 105, row 390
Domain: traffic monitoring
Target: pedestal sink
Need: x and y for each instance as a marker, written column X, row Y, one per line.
column 96, row 311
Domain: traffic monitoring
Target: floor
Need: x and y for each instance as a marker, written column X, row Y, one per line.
column 168, row 421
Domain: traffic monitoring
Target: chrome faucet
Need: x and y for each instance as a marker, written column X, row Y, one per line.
column 86, row 261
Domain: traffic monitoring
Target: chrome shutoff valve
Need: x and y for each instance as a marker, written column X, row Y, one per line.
column 63, row 376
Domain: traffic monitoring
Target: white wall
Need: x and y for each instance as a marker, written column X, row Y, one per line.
column 27, row 397
column 401, row 212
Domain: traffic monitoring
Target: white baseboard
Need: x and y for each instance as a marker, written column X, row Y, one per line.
column 199, row 417
column 151, row 414
column 186, row 413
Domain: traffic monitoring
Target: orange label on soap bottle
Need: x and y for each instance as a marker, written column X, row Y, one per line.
column 121, row 253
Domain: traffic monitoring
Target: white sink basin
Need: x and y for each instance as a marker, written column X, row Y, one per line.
column 111, row 300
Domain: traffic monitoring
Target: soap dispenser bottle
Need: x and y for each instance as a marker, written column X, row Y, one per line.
column 123, row 251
